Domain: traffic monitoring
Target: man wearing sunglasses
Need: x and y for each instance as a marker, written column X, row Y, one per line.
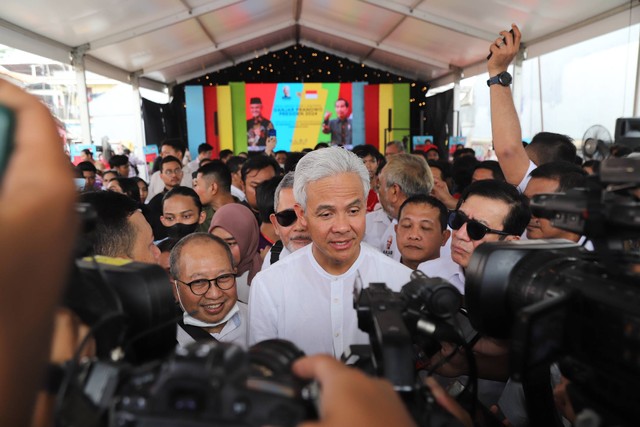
column 204, row 284
column 292, row 234
column 488, row 211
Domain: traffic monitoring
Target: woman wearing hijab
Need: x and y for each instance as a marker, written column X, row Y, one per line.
column 237, row 226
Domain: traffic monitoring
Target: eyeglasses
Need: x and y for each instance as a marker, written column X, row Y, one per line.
column 201, row 286
column 475, row 230
column 286, row 217
column 173, row 172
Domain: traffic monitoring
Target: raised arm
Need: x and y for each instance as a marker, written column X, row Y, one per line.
column 505, row 124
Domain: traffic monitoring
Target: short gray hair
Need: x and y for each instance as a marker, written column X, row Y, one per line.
column 176, row 252
column 325, row 163
column 286, row 182
column 410, row 172
column 398, row 144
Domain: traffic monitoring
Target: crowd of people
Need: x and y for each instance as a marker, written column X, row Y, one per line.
column 270, row 245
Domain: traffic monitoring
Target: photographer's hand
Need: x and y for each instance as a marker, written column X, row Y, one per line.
column 350, row 398
column 37, row 198
column 492, row 356
column 448, row 403
column 562, row 400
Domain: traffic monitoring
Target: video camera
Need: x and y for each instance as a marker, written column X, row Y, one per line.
column 558, row 302
column 554, row 300
column 404, row 329
column 140, row 378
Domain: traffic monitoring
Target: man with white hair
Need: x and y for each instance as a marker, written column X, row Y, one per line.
column 293, row 235
column 307, row 297
column 404, row 175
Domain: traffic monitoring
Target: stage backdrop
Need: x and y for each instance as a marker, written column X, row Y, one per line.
column 242, row 116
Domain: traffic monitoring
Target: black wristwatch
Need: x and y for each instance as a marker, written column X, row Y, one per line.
column 503, row 79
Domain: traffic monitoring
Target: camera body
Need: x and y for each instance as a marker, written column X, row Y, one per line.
column 401, row 325
column 212, row 383
column 560, row 303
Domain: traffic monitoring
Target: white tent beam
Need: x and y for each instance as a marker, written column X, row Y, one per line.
column 186, row 77
column 161, row 23
column 23, row 39
column 370, row 43
column 430, row 18
column 358, row 60
column 83, row 101
column 158, row 66
column 604, row 23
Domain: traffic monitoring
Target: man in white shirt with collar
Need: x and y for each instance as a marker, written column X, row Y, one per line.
column 175, row 148
column 307, row 297
column 404, row 176
column 204, row 282
column 488, row 211
column 293, row 235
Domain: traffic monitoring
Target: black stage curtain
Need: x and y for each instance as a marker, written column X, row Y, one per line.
column 161, row 122
column 438, row 120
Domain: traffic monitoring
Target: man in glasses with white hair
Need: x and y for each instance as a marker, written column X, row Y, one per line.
column 488, row 211
column 292, row 233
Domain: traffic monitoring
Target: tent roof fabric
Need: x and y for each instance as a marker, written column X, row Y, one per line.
column 170, row 41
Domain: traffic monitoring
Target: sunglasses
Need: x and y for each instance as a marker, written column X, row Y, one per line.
column 475, row 230
column 286, row 217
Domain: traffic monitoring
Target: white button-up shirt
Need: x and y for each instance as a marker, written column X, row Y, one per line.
column 297, row 300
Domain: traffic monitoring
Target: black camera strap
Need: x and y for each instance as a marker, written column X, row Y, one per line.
column 196, row 332
column 276, row 249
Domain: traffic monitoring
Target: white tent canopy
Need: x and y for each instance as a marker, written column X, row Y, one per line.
column 163, row 42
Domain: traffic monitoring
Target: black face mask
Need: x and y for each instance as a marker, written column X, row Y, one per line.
column 179, row 230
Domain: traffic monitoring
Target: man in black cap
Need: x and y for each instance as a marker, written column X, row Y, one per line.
column 257, row 126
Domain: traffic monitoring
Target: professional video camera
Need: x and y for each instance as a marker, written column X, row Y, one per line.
column 202, row 384
column 402, row 327
column 558, row 302
column 128, row 305
column 140, row 378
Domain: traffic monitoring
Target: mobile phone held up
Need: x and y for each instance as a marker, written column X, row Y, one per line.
column 504, row 40
column 7, row 127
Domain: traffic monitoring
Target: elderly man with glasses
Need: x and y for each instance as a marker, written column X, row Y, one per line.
column 204, row 284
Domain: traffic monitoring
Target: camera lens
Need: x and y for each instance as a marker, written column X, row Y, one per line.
column 273, row 357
